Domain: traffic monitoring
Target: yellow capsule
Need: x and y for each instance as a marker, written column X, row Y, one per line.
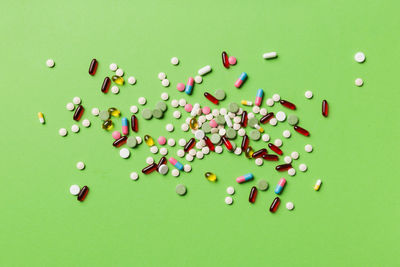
column 107, row 125
column 41, row 118
column 317, row 185
column 259, row 128
column 246, row 103
column 118, row 80
column 210, row 176
column 249, row 152
column 114, row 112
column 148, row 140
column 193, row 124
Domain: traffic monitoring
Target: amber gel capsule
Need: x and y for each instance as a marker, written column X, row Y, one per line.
column 83, row 193
column 288, row 104
column 106, row 85
column 253, row 194
column 150, row 168
column 243, row 120
column 259, row 153
column 189, row 145
column 283, row 167
column 225, row 61
column 134, row 124
column 245, row 142
column 211, row 98
column 120, row 141
column 270, row 157
column 267, row 117
column 325, row 108
column 93, row 67
column 301, row 130
column 227, row 143
column 209, row 143
column 78, row 113
column 275, row 204
column 276, row 149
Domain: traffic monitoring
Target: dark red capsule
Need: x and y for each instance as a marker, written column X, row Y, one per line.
column 162, row 161
column 288, row 104
column 150, row 168
column 78, row 113
column 259, row 153
column 211, row 98
column 243, row 121
column 93, row 67
column 283, row 167
column 120, row 141
column 134, row 124
column 275, row 204
column 83, row 193
column 301, row 130
column 270, row 157
column 225, row 60
column 267, row 117
column 276, row 149
column 253, row 194
column 227, row 143
column 209, row 143
column 245, row 142
column 189, row 145
column 106, row 85
column 325, row 108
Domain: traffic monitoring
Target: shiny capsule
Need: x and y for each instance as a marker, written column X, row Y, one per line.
column 276, row 149
column 279, row 187
column 253, row 194
column 125, row 126
column 209, row 143
column 93, row 67
column 189, row 145
column 175, row 163
column 150, row 168
column 134, row 124
column 270, row 157
column 245, row 142
column 242, row 78
column 249, row 152
column 246, row 103
column 259, row 96
column 148, row 140
column 107, row 125
column 78, row 113
column 118, row 79
column 225, row 60
column 301, row 130
column 283, row 167
column 162, row 161
column 83, row 193
column 114, row 112
column 106, row 85
column 193, row 124
column 287, row 104
column 210, row 176
column 317, row 185
column 245, row 178
column 259, row 153
column 243, row 120
column 325, row 108
column 267, row 118
column 211, row 98
column 275, row 204
column 189, row 86
column 120, row 141
column 227, row 143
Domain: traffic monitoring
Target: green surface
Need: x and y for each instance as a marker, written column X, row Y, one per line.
column 351, row 221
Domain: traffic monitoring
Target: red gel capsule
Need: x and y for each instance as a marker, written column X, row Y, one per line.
column 225, row 61
column 134, row 123
column 106, row 85
column 276, row 149
column 283, row 167
column 93, row 67
column 83, row 193
column 227, row 143
column 275, row 204
column 259, row 153
column 120, row 141
column 270, row 157
column 288, row 104
column 325, row 108
column 245, row 142
column 150, row 168
column 209, row 143
column 211, row 98
column 78, row 113
column 162, row 161
column 267, row 117
column 243, row 121
column 301, row 130
column 189, row 145
column 253, row 194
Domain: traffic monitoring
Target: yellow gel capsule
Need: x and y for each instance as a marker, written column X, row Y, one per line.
column 41, row 118
column 118, row 80
column 107, row 125
column 249, row 152
column 114, row 112
column 148, row 140
column 210, row 176
column 246, row 103
column 193, row 124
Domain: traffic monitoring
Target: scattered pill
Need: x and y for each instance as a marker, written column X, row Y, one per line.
column 276, row 97
column 287, row 159
column 165, row 82
column 301, row 130
column 76, row 100
column 189, row 86
column 293, row 119
column 228, row 200
column 286, row 133
column 149, row 160
column 86, row 123
column 289, row 206
column 230, row 190
column 134, row 176
column 142, row 100
column 259, row 161
column 270, row 102
column 278, row 142
column 275, row 204
column 359, row 57
column 294, row 155
column 265, row 137
column 218, row 149
column 225, row 60
column 180, row 188
column 280, row 186
column 119, row 72
column 174, row 61
column 359, row 82
column 41, row 117
column 50, row 63
column 232, row 60
column 63, row 132
column 242, row 78
column 115, row 89
column 280, row 116
column 80, row 165
column 74, row 189
column 83, row 193
column 308, row 148
column 303, row 167
column 113, row 67
column 273, row 121
column 154, row 149
column 308, row 94
column 262, row 185
column 75, row 128
column 164, row 96
column 203, row 71
column 131, row 80
column 270, row 55
column 245, row 178
column 175, row 172
column 70, row 106
column 291, row 171
column 198, row 79
column 162, row 76
column 187, row 168
column 93, row 67
column 325, row 108
column 124, row 153
column 169, row 127
column 317, row 185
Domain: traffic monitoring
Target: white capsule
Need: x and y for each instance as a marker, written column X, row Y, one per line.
column 182, row 142
column 63, row 132
column 270, row 55
column 182, row 102
column 175, row 172
column 230, row 190
column 199, row 134
column 238, row 151
column 204, row 70
column 124, row 153
column 75, row 128
column 86, row 123
column 80, row 165
column 195, row 109
column 228, row 121
column 202, row 119
column 163, row 169
column 215, row 112
column 270, row 102
column 228, row 200
column 171, row 142
column 134, row 176
column 223, row 111
column 209, row 117
column 236, row 126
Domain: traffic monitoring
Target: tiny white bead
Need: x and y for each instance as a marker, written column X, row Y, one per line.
column 303, row 167
column 174, row 103
column 50, row 63
column 95, row 111
column 176, row 114
column 270, row 102
column 286, row 133
column 308, row 94
column 185, row 127
column 171, row 142
column 198, row 79
column 174, row 61
column 132, row 80
column 169, row 127
column 142, row 100
column 276, row 97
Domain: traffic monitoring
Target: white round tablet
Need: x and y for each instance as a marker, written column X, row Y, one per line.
column 75, row 128
column 265, row 137
column 278, row 142
column 359, row 57
column 205, row 150
column 86, row 123
column 359, row 82
column 199, row 155
column 119, row 72
column 199, row 134
column 187, row 168
column 198, row 79
column 142, row 100
column 192, row 152
column 177, row 114
column 182, row 142
column 182, row 102
column 303, row 167
column 222, row 132
column 138, row 140
column 294, row 155
column 189, row 157
column 263, row 111
column 276, row 97
column 115, row 89
column 80, row 165
column 163, row 169
column 113, row 67
column 149, row 160
column 163, row 151
column 250, row 115
column 308, row 94
column 162, row 76
column 74, row 189
column 230, row 190
column 134, row 109
column 218, row 149
column 259, row 161
column 70, row 106
column 273, row 121
column 154, row 149
column 124, row 153
column 289, row 206
column 134, row 176
column 132, row 80
column 164, row 96
column 238, row 151
column 270, row 102
column 180, row 153
column 308, row 148
column 280, row 116
column 165, row 82
column 62, row 132
column 185, row 127
column 76, row 100
column 175, row 172
column 223, row 111
column 241, row 132
column 291, row 171
column 228, row 200
column 256, row 109
column 215, row 112
column 236, row 126
column 174, row 103
column 95, row 111
column 50, row 63
column 169, row 127
column 286, row 133
column 174, row 61
column 287, row 159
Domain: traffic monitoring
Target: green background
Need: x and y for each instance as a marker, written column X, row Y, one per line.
column 351, row 221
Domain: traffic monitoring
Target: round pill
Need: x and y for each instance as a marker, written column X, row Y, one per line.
column 230, row 190
column 252, row 122
column 162, row 140
column 262, row 185
column 131, row 141
column 308, row 148
column 254, row 135
column 232, row 60
column 157, row 113
column 236, row 126
column 176, row 114
column 222, row 132
column 206, row 110
column 286, row 133
column 265, row 137
column 169, row 127
column 291, row 171
column 115, row 89
column 276, row 97
column 163, row 151
column 259, row 161
column 287, row 159
column 180, row 87
column 174, row 103
column 270, row 102
column 95, row 111
column 132, row 80
column 70, row 106
column 134, row 109
column 74, row 189
column 154, row 149
column 359, row 57
column 218, row 149
column 50, row 63
column 182, row 142
column 273, row 121
column 80, row 165
column 308, row 94
column 238, row 151
column 188, row 107
column 138, row 139
column 199, row 134
column 162, row 76
column 241, row 132
column 174, row 61
column 86, row 123
column 134, row 176
column 164, row 96
column 230, row 133
column 280, row 116
column 171, row 142
column 124, row 153
column 180, row 189
column 292, row 119
column 199, row 155
column 149, row 160
column 113, row 67
column 263, row 111
column 147, row 114
column 76, row 100
column 163, row 169
column 75, row 128
column 250, row 115
column 165, row 82
column 220, row 94
column 256, row 109
column 224, row 111
column 228, row 200
column 62, row 132
column 303, row 167
column 142, row 100
column 182, row 102
column 294, row 155
column 180, row 153
column 278, row 142
column 359, row 82
column 104, row 115
column 205, row 150
column 215, row 138
column 198, row 79
column 289, row 206
column 175, row 172
column 192, row 152
column 187, row 168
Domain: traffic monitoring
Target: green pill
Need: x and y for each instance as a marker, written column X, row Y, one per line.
column 254, row 135
column 180, row 189
column 292, row 119
column 220, row 119
column 147, row 114
column 253, row 121
column 104, row 115
column 220, row 94
column 157, row 113
column 230, row 133
column 262, row 185
column 233, row 107
column 131, row 141
column 162, row 106
column 206, row 127
column 215, row 138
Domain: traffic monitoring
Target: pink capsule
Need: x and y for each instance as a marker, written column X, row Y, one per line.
column 241, row 80
column 259, row 97
column 125, row 126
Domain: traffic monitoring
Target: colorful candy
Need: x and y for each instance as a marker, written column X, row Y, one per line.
column 242, row 78
column 245, row 178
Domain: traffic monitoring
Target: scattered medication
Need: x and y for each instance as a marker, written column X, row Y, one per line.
column 308, row 94
column 113, row 67
column 227, row 143
column 228, row 200
column 165, row 82
column 134, row 176
column 210, row 176
column 259, row 96
column 294, row 155
column 119, row 72
column 74, row 189
column 93, row 67
column 246, row 103
column 270, row 157
column 107, row 125
column 301, row 130
column 83, row 193
column 359, row 57
column 303, row 167
column 291, row 172
column 180, row 189
column 163, row 169
column 283, row 167
column 293, row 119
column 358, row 82
column 280, row 115
column 278, row 142
column 132, row 80
column 245, row 178
column 267, row 118
column 70, row 106
column 276, row 149
column 259, row 153
column 270, row 102
column 75, row 128
column 308, row 148
column 78, row 113
column 280, row 185
column 259, row 162
column 62, row 132
column 253, row 194
column 154, row 149
column 148, row 140
column 203, row 71
column 275, row 204
column 276, row 97
column 189, row 86
column 86, row 123
column 317, row 185
column 232, row 60
column 125, row 126
column 169, row 127
column 187, row 168
column 162, row 76
column 287, row 159
column 142, row 100
column 116, row 135
column 115, row 89
column 286, row 133
column 120, row 141
column 211, row 98
column 290, row 206
column 50, row 63
column 189, row 145
column 230, row 190
column 106, row 85
column 124, row 153
column 149, row 169
column 270, row 55
column 175, row 172
column 288, row 104
column 114, row 112
column 325, row 108
column 198, row 79
column 76, row 100
column 41, row 117
column 80, row 165
column 225, row 60
column 174, row 61
column 176, row 163
column 118, row 79
column 242, row 78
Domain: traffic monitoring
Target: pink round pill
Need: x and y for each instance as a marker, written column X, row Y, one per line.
column 180, row 87
column 188, row 107
column 232, row 60
column 116, row 135
column 162, row 140
column 206, row 110
column 213, row 123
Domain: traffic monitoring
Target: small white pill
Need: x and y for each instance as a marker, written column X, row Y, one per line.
column 86, row 123
column 259, row 161
column 308, row 148
column 359, row 57
column 294, row 155
column 182, row 142
column 218, row 149
column 237, row 119
column 50, row 63
column 289, row 206
column 162, row 76
column 198, row 145
column 238, row 151
column 119, row 72
column 134, row 176
column 174, row 103
column 228, row 200
column 132, row 80
column 149, row 160
column 286, row 133
column 165, row 82
column 163, row 151
column 230, row 190
column 115, row 89
column 62, row 132
column 142, row 100
column 359, row 82
column 202, row 119
column 303, row 167
column 76, row 100
column 256, row 109
column 273, row 121
column 180, row 153
column 291, row 171
column 134, row 109
column 80, row 165
column 187, row 167
column 287, row 159
column 204, row 70
column 70, row 106
column 182, row 102
column 198, row 79
column 263, row 111
column 124, row 153
column 163, row 169
column 250, row 115
column 75, row 128
column 175, row 172
column 222, row 132
column 171, row 142
column 138, row 140
column 240, row 111
column 205, row 150
column 95, row 111
column 113, row 67
column 176, row 114
column 199, row 134
column 215, row 112
column 189, row 157
column 265, row 137
column 270, row 102
column 169, row 127
column 278, row 142
column 270, row 55
column 185, row 127
column 164, row 96
column 308, row 94
column 236, row 126
column 276, row 97
column 174, row 61
column 74, row 189
column 241, row 132
column 223, row 111
column 199, row 155
column 280, row 116
column 154, row 149
column 192, row 152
